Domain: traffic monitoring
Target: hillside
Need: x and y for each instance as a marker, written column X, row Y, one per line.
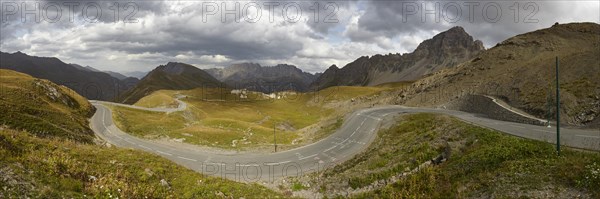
column 90, row 84
column 444, row 50
column 43, row 108
column 266, row 79
column 521, row 71
column 46, row 151
column 172, row 76
column 438, row 156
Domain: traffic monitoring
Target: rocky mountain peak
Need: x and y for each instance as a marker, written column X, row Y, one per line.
column 444, row 50
column 455, row 38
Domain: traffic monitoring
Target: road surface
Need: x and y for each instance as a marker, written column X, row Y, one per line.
column 354, row 136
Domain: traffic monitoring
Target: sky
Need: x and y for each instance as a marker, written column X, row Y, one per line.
column 126, row 36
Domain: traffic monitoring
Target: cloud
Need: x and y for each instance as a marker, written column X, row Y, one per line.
column 489, row 21
column 185, row 31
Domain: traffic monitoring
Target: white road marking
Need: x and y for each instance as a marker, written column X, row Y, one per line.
column 310, row 156
column 163, row 152
column 215, row 163
column 588, row 136
column 145, row 147
column 330, row 148
column 330, row 157
column 277, row 163
column 187, row 158
column 375, row 118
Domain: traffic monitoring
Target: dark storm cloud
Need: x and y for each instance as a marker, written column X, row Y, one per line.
column 170, row 30
column 480, row 19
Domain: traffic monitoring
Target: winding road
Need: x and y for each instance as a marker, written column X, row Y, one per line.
column 357, row 132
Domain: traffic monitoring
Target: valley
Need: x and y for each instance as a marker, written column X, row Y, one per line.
column 173, row 106
column 219, row 118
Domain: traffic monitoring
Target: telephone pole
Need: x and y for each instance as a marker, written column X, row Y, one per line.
column 274, row 138
column 557, row 111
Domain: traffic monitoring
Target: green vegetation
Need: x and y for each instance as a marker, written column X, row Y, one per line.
column 481, row 163
column 53, row 168
column 50, row 154
column 43, row 108
column 160, row 99
column 215, row 117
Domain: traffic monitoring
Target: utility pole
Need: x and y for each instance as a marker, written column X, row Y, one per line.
column 557, row 111
column 274, row 138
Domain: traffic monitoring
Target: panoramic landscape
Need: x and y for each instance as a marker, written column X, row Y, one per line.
column 299, row 99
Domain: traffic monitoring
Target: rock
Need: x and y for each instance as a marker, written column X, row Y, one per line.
column 149, row 172
column 164, row 183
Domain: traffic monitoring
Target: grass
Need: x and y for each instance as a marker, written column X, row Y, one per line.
column 482, row 163
column 43, row 108
column 160, row 99
column 46, row 152
column 215, row 117
column 55, row 168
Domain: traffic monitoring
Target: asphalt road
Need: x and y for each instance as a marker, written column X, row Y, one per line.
column 354, row 136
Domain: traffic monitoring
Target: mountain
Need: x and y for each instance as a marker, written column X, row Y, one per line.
column 117, row 75
column 84, row 68
column 444, row 50
column 136, row 74
column 43, row 108
column 172, row 76
column 266, row 79
column 90, row 84
column 521, row 71
column 111, row 73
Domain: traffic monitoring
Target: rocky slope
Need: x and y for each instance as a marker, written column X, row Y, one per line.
column 90, row 84
column 172, row 76
column 264, row 79
column 444, row 50
column 521, row 71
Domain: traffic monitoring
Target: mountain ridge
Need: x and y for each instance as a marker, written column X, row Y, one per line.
column 171, row 76
column 90, row 84
column 521, row 71
column 266, row 79
column 444, row 50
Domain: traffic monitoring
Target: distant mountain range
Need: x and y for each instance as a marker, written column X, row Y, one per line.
column 172, row 76
column 444, row 50
column 266, row 79
column 89, row 83
column 136, row 74
column 111, row 73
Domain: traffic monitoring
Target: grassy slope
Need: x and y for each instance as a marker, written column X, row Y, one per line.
column 53, row 157
column 217, row 118
column 43, row 108
column 158, row 99
column 36, row 167
column 482, row 163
